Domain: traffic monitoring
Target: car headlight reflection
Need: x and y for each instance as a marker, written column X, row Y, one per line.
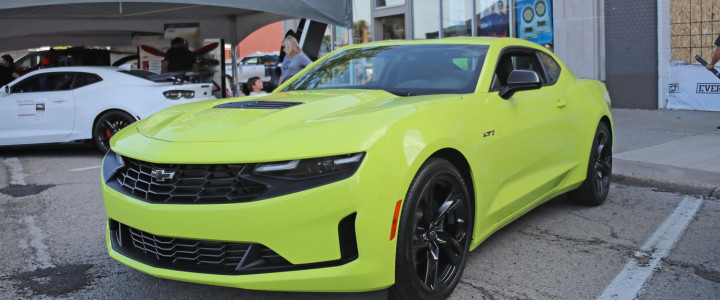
column 312, row 167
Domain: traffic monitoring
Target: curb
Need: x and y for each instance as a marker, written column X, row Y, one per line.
column 665, row 185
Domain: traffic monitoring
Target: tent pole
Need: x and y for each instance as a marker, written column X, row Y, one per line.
column 234, row 53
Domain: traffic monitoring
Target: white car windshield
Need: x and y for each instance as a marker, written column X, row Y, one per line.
column 404, row 70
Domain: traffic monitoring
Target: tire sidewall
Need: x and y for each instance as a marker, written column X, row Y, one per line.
column 407, row 285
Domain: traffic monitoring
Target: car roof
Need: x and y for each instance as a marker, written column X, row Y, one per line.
column 489, row 41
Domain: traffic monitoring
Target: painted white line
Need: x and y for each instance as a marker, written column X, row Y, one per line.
column 17, row 176
column 631, row 280
column 84, row 169
column 42, row 257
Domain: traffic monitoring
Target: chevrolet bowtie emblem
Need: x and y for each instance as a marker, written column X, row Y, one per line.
column 161, row 175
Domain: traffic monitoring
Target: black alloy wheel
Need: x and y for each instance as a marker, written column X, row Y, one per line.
column 107, row 125
column 434, row 234
column 596, row 187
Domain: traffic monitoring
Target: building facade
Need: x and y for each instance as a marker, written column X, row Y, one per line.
column 630, row 45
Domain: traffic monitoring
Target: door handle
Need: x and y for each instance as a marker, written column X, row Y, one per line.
column 59, row 100
column 560, row 102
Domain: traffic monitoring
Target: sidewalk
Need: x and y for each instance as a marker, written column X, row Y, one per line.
column 671, row 150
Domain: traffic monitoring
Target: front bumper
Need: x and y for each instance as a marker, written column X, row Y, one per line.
column 302, row 228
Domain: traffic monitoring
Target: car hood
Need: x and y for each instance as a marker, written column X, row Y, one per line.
column 255, row 118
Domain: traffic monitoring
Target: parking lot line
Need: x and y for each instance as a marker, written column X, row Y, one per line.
column 84, row 169
column 629, row 283
column 17, row 175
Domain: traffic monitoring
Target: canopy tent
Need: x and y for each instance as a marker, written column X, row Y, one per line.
column 33, row 23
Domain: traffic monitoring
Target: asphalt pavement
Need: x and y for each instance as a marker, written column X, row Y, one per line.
column 670, row 150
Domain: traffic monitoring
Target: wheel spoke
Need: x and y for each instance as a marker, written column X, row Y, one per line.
column 448, row 205
column 431, row 267
column 604, row 166
column 451, row 247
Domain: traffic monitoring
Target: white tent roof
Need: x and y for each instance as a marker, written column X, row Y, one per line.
column 33, row 23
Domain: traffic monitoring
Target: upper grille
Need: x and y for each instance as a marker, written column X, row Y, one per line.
column 199, row 184
column 195, row 255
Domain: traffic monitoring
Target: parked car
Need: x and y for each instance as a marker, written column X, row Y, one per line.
column 67, row 104
column 342, row 180
column 73, row 56
column 257, row 64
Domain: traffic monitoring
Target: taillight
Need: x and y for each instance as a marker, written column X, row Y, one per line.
column 177, row 94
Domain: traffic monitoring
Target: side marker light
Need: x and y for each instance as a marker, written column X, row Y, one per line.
column 393, row 229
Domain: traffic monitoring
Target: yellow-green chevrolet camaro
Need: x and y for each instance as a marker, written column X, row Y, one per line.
column 379, row 165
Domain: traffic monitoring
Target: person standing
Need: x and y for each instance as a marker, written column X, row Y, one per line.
column 715, row 59
column 295, row 60
column 178, row 58
column 256, row 86
column 7, row 70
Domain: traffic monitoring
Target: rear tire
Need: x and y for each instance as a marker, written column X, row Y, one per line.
column 596, row 186
column 107, row 125
column 434, row 233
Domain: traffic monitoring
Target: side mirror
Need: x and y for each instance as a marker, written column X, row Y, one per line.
column 520, row 80
column 7, row 89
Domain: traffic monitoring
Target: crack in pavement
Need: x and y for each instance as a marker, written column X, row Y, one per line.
column 699, row 270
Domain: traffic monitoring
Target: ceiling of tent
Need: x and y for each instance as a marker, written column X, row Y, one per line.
column 33, row 23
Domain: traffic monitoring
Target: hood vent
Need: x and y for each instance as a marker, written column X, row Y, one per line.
column 258, row 104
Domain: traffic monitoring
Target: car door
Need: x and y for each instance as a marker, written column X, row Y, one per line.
column 532, row 135
column 38, row 109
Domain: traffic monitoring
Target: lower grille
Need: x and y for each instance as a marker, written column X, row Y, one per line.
column 214, row 257
column 194, row 255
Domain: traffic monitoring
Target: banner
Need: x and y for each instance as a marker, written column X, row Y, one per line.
column 534, row 21
column 692, row 87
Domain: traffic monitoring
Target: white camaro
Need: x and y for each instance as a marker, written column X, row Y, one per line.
column 67, row 104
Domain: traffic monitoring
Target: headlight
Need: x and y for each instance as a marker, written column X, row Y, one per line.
column 177, row 94
column 312, row 167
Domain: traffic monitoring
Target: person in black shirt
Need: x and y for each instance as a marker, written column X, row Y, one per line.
column 178, row 58
column 7, row 70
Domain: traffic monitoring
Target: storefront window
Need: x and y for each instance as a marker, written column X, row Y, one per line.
column 456, row 17
column 534, row 21
column 491, row 18
column 388, row 3
column 426, row 19
column 393, row 27
column 362, row 28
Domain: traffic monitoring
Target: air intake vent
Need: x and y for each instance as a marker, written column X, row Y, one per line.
column 258, row 104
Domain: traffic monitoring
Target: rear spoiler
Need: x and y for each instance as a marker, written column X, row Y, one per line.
column 179, row 78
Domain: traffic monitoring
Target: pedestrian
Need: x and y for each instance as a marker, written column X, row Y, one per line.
column 256, row 86
column 715, row 59
column 295, row 60
column 178, row 58
column 7, row 70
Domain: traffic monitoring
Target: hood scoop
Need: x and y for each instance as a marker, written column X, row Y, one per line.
column 258, row 104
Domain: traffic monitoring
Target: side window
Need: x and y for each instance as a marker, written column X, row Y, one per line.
column 46, row 82
column 514, row 60
column 83, row 79
column 251, row 61
column 552, row 68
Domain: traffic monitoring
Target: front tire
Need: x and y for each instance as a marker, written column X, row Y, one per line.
column 434, row 233
column 107, row 125
column 596, row 186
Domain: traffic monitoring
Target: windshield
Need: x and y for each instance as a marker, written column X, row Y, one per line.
column 404, row 70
